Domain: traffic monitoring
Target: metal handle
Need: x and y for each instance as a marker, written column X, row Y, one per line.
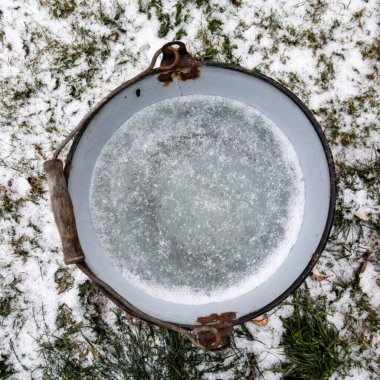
column 212, row 334
column 63, row 212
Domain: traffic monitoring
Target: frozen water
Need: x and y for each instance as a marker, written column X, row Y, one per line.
column 197, row 199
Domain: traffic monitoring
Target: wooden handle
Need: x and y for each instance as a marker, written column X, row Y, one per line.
column 63, row 212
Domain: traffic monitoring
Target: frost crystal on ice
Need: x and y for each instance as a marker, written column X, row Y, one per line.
column 196, row 199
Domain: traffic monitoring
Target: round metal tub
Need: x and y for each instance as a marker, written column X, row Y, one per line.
column 209, row 146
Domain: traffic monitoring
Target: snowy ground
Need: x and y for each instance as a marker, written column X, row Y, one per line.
column 58, row 57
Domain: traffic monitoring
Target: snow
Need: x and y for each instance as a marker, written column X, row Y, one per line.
column 355, row 374
column 370, row 284
column 21, row 186
column 359, row 200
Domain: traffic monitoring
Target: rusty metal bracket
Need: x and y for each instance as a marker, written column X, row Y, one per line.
column 172, row 58
column 182, row 65
column 215, row 330
column 173, row 62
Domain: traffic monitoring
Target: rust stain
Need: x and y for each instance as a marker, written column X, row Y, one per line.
column 217, row 318
column 191, row 72
column 216, row 329
column 314, row 258
column 166, row 78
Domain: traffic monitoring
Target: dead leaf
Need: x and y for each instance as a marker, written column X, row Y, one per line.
column 40, row 152
column 61, row 288
column 361, row 216
column 363, row 267
column 260, row 321
column 316, row 275
column 132, row 320
column 94, row 352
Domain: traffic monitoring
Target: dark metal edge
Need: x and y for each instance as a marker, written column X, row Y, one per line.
column 329, row 157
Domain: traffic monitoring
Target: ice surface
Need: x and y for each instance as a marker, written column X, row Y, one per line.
column 197, row 199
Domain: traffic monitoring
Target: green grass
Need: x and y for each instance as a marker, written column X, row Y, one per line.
column 60, row 8
column 125, row 348
column 6, row 370
column 120, row 346
column 312, row 344
column 5, row 305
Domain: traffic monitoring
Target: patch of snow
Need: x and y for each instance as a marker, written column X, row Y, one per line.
column 359, row 200
column 370, row 284
column 21, row 186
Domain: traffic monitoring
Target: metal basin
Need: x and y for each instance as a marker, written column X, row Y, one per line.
column 270, row 101
column 196, row 196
